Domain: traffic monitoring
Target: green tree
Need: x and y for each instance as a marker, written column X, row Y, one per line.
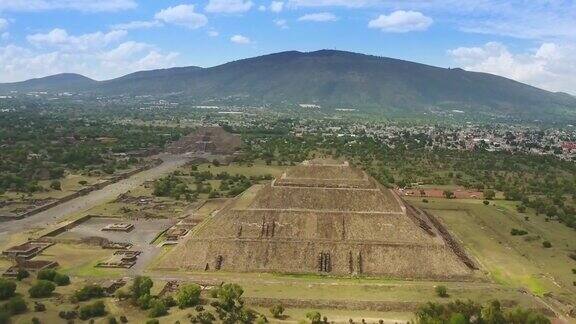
column 188, row 295
column 141, row 286
column 41, row 289
column 277, row 310
column 56, row 185
column 7, row 288
column 489, row 194
column 157, row 308
column 314, row 317
column 16, row 305
column 441, row 291
column 448, row 194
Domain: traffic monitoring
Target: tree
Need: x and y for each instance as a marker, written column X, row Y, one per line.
column 188, row 295
column 314, row 317
column 277, row 310
column 7, row 288
column 16, row 305
column 41, row 289
column 441, row 291
column 157, row 308
column 448, row 194
column 95, row 309
column 56, row 185
column 61, row 279
column 547, row 244
column 22, row 274
column 141, row 286
column 489, row 194
column 492, row 313
column 88, row 292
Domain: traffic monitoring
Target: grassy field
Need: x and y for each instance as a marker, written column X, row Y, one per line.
column 513, row 261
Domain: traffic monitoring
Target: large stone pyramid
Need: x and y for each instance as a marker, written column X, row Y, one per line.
column 321, row 218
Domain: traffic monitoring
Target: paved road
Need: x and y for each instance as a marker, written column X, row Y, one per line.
column 93, row 199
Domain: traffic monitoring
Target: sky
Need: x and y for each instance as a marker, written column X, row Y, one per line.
column 532, row 41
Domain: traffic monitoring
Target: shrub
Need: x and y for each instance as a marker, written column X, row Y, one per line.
column 169, row 301
column 88, row 292
column 95, row 309
column 140, row 287
column 574, row 271
column 517, row 232
column 441, row 291
column 277, row 310
column 314, row 317
column 68, row 315
column 144, row 301
column 46, row 274
column 486, row 202
column 188, row 295
column 16, row 305
column 572, row 256
column 41, row 289
column 61, row 279
column 153, row 321
column 112, row 320
column 22, row 274
column 425, row 200
column 157, row 308
column 35, row 320
column 39, row 307
column 123, row 319
column 547, row 244
column 7, row 289
column 4, row 317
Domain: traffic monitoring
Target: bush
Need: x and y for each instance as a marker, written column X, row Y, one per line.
column 68, row 315
column 22, row 274
column 157, row 308
column 41, row 289
column 314, row 317
column 16, row 305
column 425, row 200
column 95, row 309
column 35, row 320
column 4, row 317
column 486, row 202
column 140, row 287
column 153, row 321
column 144, row 301
column 112, row 320
column 7, row 289
column 123, row 319
column 517, row 232
column 46, row 274
column 61, row 279
column 277, row 310
column 574, row 271
column 88, row 292
column 39, row 307
column 188, row 295
column 441, row 291
column 169, row 301
column 547, row 244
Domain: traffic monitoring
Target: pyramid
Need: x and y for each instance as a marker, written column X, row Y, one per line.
column 321, row 217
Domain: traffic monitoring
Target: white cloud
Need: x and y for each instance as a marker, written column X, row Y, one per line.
column 228, row 6
column 261, row 8
column 18, row 63
column 277, row 6
column 138, row 25
column 319, row 17
column 239, row 39
column 401, row 22
column 3, row 24
column 59, row 38
column 531, row 19
column 79, row 5
column 550, row 66
column 182, row 15
column 4, row 36
column 213, row 33
column 281, row 23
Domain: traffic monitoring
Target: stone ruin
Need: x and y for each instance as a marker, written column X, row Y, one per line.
column 326, row 219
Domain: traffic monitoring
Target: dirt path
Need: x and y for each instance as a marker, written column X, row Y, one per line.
column 93, row 199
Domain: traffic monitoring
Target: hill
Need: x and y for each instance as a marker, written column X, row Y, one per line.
column 335, row 79
column 54, row 83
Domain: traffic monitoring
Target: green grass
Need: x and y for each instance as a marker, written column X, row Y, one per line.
column 512, row 260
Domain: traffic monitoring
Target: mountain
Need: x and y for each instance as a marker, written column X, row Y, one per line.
column 334, row 79
column 58, row 83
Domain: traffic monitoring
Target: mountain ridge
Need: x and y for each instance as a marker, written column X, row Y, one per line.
column 328, row 78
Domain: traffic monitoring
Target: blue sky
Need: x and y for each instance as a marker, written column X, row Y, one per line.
column 533, row 41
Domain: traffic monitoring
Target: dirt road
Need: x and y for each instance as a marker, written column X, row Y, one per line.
column 93, row 199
